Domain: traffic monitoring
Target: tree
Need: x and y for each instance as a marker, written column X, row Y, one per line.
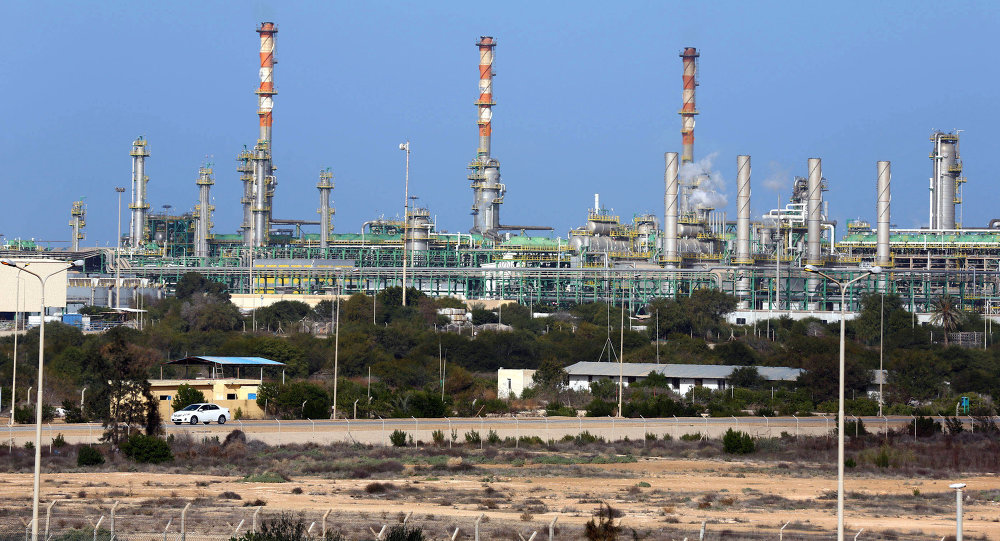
column 550, row 375
column 946, row 313
column 187, row 395
column 194, row 282
column 747, row 377
column 131, row 405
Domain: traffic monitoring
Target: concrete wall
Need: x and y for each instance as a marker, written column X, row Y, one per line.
column 28, row 288
column 512, row 382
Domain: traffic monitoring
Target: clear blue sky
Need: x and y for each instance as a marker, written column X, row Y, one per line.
column 587, row 97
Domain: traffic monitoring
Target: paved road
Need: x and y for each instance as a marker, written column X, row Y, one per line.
column 376, row 431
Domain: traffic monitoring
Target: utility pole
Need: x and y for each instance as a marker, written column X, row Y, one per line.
column 118, row 250
column 406, row 210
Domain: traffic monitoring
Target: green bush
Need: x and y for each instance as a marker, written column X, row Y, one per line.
column 492, row 437
column 599, row 408
column 147, row 449
column 186, row 395
column 25, row 415
column 737, row 442
column 398, row 438
column 402, row 532
column 954, row 425
column 691, row 437
column 472, row 437
column 555, row 409
column 59, row 440
column 438, row 437
column 855, row 428
column 925, row 427
column 89, row 456
column 73, row 412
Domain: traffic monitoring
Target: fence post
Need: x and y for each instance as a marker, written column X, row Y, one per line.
column 237, row 529
column 796, row 426
column 98, row 526
column 675, row 427
column 48, row 516
column 164, row 529
column 857, row 534
column 416, row 429
column 183, row 525
column 279, row 431
column 914, row 435
column 449, row 432
column 552, row 527
column 324, row 522
column 113, row 507
column 643, row 431
column 701, row 534
column 517, row 432
column 407, row 517
column 972, row 424
column 767, row 426
column 254, row 519
column 481, row 515
column 781, row 532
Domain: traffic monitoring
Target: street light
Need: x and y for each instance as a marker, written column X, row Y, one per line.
column 38, row 401
column 13, row 379
column 406, row 210
column 840, row 409
column 958, row 509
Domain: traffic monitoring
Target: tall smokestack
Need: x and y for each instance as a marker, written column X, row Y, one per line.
column 139, row 205
column 670, row 210
column 325, row 211
column 485, row 170
column 688, row 111
column 814, row 206
column 883, row 258
column 265, row 93
column 204, row 223
column 743, row 210
column 263, row 169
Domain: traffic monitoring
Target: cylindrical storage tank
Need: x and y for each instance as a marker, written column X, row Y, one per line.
column 948, row 159
column 606, row 244
column 577, row 240
column 883, row 258
column 690, row 231
column 600, row 228
column 670, row 209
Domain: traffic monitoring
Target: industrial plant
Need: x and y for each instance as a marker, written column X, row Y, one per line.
column 765, row 261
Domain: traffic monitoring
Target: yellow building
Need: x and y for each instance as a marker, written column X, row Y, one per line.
column 226, row 383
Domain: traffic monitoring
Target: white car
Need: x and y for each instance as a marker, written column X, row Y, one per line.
column 201, row 413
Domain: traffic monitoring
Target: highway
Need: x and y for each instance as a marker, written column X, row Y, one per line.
column 377, row 431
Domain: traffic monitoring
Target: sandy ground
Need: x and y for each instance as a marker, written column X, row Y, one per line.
column 682, row 494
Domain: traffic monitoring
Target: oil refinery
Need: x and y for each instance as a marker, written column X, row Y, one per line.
column 761, row 260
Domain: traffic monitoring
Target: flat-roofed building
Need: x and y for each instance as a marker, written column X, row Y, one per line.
column 231, row 382
column 682, row 377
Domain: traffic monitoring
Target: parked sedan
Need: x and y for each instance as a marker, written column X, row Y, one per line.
column 201, row 413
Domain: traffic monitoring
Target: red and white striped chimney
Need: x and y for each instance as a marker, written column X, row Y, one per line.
column 688, row 111
column 265, row 93
column 485, row 101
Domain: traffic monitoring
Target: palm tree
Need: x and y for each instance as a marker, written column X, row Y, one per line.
column 947, row 314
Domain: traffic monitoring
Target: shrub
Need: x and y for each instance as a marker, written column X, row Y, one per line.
column 954, row 425
column 230, row 495
column 186, row 395
column 691, row 437
column 737, row 442
column 492, row 437
column 586, row 437
column 89, row 456
column 287, row 528
column 604, row 528
column 147, row 449
column 402, row 532
column 73, row 412
column 398, row 438
column 925, row 427
column 438, row 437
column 25, row 415
column 650, row 436
column 855, row 428
column 472, row 437
column 850, row 463
column 59, row 440
column 599, row 408
column 882, row 458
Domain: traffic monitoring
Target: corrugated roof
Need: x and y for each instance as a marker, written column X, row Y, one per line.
column 688, row 371
column 229, row 361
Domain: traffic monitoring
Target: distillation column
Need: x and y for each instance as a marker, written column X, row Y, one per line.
column 883, row 258
column 670, row 210
column 947, row 175
column 203, row 226
column 743, row 228
column 688, row 111
column 487, row 190
column 814, row 205
column 325, row 211
column 78, row 217
column 263, row 170
column 245, row 169
column 139, row 205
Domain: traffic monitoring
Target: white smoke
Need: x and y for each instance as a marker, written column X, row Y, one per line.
column 778, row 177
column 711, row 191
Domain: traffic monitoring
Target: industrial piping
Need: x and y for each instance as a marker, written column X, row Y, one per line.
column 670, row 210
column 947, row 170
column 688, row 111
column 245, row 169
column 488, row 192
column 325, row 211
column 205, row 208
column 883, row 257
column 139, row 206
column 78, row 216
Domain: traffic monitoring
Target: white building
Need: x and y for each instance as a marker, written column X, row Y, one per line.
column 512, row 382
column 682, row 377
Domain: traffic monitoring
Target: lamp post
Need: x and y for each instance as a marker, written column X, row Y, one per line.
column 38, row 400
column 958, row 509
column 840, row 408
column 13, row 379
column 118, row 249
column 406, row 210
column 881, row 340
